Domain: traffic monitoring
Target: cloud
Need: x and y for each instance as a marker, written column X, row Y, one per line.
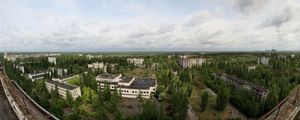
column 249, row 6
column 198, row 18
column 233, row 25
column 279, row 17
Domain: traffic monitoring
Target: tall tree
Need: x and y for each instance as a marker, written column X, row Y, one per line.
column 204, row 101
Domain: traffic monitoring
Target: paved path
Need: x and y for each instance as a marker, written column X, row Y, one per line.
column 6, row 113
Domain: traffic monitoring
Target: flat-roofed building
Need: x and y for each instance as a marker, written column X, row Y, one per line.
column 37, row 76
column 129, row 87
column 136, row 61
column 263, row 60
column 190, row 62
column 63, row 88
column 252, row 67
column 21, row 68
column 52, row 60
column 96, row 65
column 260, row 91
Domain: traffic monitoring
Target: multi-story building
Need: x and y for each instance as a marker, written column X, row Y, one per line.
column 252, row 67
column 62, row 72
column 63, row 88
column 292, row 56
column 263, row 60
column 21, row 68
column 129, row 87
column 13, row 57
column 52, row 60
column 260, row 91
column 136, row 61
column 37, row 76
column 190, row 62
column 96, row 65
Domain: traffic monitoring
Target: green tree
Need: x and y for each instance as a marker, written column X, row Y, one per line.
column 69, row 99
column 204, row 101
column 222, row 98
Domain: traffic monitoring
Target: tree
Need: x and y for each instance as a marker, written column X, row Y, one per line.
column 222, row 99
column 204, row 101
column 69, row 99
column 89, row 95
column 150, row 111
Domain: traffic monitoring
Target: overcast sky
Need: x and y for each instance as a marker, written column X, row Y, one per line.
column 149, row 25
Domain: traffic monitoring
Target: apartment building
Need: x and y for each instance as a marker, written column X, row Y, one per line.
column 263, row 60
column 260, row 91
column 252, row 67
column 186, row 62
column 52, row 60
column 136, row 61
column 129, row 87
column 37, row 76
column 96, row 65
column 63, row 88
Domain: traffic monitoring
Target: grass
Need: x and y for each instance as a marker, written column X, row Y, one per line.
column 210, row 113
column 74, row 81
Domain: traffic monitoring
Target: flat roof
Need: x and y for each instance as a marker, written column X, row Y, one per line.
column 63, row 85
column 126, row 79
column 240, row 81
column 108, row 76
column 141, row 83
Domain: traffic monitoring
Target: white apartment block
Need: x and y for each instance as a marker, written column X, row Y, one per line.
column 263, row 60
column 52, row 60
column 63, row 88
column 253, row 67
column 21, row 68
column 136, row 61
column 190, row 62
column 96, row 65
column 37, row 76
column 129, row 87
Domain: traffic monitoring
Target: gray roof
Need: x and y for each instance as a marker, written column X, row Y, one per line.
column 258, row 88
column 108, row 76
column 142, row 83
column 63, row 85
column 126, row 79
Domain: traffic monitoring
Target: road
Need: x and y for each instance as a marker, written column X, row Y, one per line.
column 6, row 113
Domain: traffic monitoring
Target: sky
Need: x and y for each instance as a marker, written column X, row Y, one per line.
column 149, row 25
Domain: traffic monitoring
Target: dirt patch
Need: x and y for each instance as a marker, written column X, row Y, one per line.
column 130, row 107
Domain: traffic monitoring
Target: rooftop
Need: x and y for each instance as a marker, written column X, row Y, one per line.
column 142, row 83
column 126, row 79
column 108, row 76
column 242, row 82
column 63, row 85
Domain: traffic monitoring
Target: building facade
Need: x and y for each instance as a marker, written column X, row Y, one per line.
column 136, row 61
column 129, row 87
column 52, row 60
column 37, row 76
column 263, row 60
column 260, row 91
column 190, row 62
column 96, row 65
column 63, row 88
